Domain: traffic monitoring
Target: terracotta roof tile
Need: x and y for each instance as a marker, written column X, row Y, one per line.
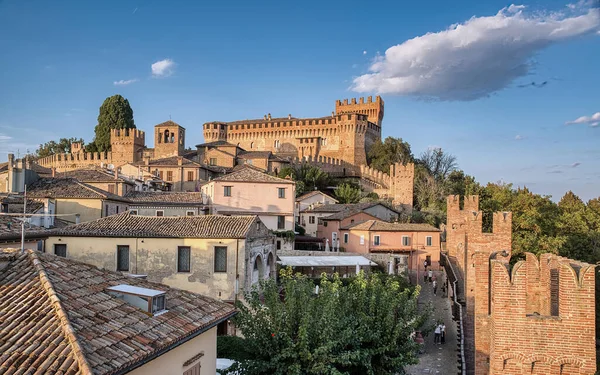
column 382, row 226
column 92, row 175
column 67, row 188
column 254, row 155
column 168, row 123
column 171, row 161
column 249, row 174
column 127, row 225
column 10, row 229
column 56, row 318
column 216, row 143
column 312, row 194
column 164, row 197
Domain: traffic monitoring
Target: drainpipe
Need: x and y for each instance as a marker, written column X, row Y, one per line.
column 237, row 275
column 136, row 255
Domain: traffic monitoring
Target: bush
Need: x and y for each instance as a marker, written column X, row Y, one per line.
column 232, row 347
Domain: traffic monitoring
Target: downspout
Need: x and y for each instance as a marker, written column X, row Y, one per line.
column 136, row 255
column 237, row 275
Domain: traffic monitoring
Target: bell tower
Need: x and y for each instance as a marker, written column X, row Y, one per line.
column 169, row 139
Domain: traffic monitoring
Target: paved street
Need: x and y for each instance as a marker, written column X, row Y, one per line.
column 437, row 359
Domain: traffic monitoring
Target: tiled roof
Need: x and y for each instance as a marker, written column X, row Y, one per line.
column 171, row 161
column 127, row 225
column 10, row 229
column 3, row 166
column 312, row 194
column 67, row 188
column 168, row 123
column 249, row 174
column 91, row 175
column 164, row 197
column 14, row 204
column 216, row 143
column 254, row 155
column 344, row 214
column 56, row 318
column 340, row 207
column 41, row 171
column 382, row 226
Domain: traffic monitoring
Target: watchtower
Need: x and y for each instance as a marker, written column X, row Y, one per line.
column 373, row 109
column 127, row 145
column 169, row 139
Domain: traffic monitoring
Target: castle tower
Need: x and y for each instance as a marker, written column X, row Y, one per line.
column 169, row 139
column 127, row 145
column 402, row 181
column 76, row 147
column 214, row 131
column 373, row 109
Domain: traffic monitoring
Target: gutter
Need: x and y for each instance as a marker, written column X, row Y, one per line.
column 168, row 348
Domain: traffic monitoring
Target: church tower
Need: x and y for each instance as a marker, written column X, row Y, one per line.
column 169, row 140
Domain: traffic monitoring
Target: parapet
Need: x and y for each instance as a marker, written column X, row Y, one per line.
column 353, row 101
column 129, row 135
column 471, row 203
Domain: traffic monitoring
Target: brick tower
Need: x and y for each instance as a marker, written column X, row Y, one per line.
column 127, row 145
column 169, row 140
column 373, row 109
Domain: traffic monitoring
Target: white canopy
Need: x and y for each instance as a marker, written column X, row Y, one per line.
column 325, row 261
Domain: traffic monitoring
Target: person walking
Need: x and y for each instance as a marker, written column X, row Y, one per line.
column 435, row 287
column 443, row 333
column 437, row 333
column 430, row 274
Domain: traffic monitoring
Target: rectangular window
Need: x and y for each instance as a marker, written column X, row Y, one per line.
column 376, row 240
column 190, row 176
column 60, row 249
column 189, row 213
column 111, row 188
column 160, row 175
column 133, row 212
column 183, row 258
column 106, row 210
column 428, row 239
column 123, row 258
column 169, row 175
column 362, row 239
column 280, row 222
column 278, row 245
column 227, row 191
column 117, row 208
column 213, row 161
column 160, row 213
column 311, row 219
column 324, row 223
column 346, row 237
column 405, row 241
column 220, row 259
column 281, row 192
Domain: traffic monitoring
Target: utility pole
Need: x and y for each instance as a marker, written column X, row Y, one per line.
column 23, row 221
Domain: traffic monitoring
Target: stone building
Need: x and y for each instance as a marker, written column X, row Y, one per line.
column 217, row 256
column 60, row 316
column 536, row 317
column 151, row 203
column 341, row 139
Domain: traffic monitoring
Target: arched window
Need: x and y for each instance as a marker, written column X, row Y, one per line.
column 251, row 144
column 166, row 136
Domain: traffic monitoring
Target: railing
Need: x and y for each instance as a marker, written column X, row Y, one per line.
column 457, row 310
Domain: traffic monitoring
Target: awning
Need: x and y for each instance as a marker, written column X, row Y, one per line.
column 325, row 261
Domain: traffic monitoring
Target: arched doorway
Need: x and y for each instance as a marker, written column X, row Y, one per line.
column 257, row 269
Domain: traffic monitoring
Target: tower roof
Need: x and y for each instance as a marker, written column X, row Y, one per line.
column 168, row 123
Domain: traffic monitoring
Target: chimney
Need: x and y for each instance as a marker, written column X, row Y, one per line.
column 27, row 162
column 77, row 218
column 53, row 172
column 289, row 116
column 11, row 161
column 116, row 173
column 268, row 116
column 179, row 161
column 265, row 117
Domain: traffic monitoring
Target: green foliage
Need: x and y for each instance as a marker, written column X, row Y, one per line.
column 308, row 177
column 287, row 235
column 115, row 113
column 232, row 347
column 346, row 193
column 299, row 229
column 438, row 163
column 392, row 150
column 61, row 147
column 362, row 328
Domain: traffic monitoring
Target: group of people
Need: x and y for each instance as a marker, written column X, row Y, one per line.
column 439, row 336
column 428, row 276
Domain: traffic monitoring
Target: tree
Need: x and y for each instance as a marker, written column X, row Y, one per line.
column 308, row 177
column 392, row 150
column 438, row 163
column 365, row 327
column 63, row 146
column 115, row 113
column 346, row 193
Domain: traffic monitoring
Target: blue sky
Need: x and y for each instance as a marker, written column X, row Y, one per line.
column 457, row 88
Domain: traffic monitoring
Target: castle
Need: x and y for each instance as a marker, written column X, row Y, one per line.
column 338, row 144
column 536, row 317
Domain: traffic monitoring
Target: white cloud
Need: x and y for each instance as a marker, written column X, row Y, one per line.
column 519, row 137
column 124, row 82
column 163, row 68
column 364, row 52
column 476, row 58
column 575, row 165
column 4, row 137
column 593, row 120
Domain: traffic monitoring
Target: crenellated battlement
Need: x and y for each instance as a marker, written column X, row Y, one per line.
column 373, row 109
column 127, row 135
column 68, row 162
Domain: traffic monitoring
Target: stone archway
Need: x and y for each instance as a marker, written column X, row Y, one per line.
column 271, row 266
column 257, row 270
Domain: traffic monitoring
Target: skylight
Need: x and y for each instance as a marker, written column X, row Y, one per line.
column 151, row 301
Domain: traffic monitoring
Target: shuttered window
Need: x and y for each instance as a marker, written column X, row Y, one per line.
column 183, row 258
column 123, row 258
column 60, row 250
column 220, row 259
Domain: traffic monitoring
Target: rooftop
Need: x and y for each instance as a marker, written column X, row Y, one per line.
column 168, row 123
column 382, row 226
column 338, row 207
column 254, row 155
column 325, row 261
column 58, row 318
column 171, row 161
column 66, row 188
column 216, row 144
column 249, row 174
column 127, row 225
column 92, row 175
column 312, row 194
column 170, row 197
column 10, row 229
